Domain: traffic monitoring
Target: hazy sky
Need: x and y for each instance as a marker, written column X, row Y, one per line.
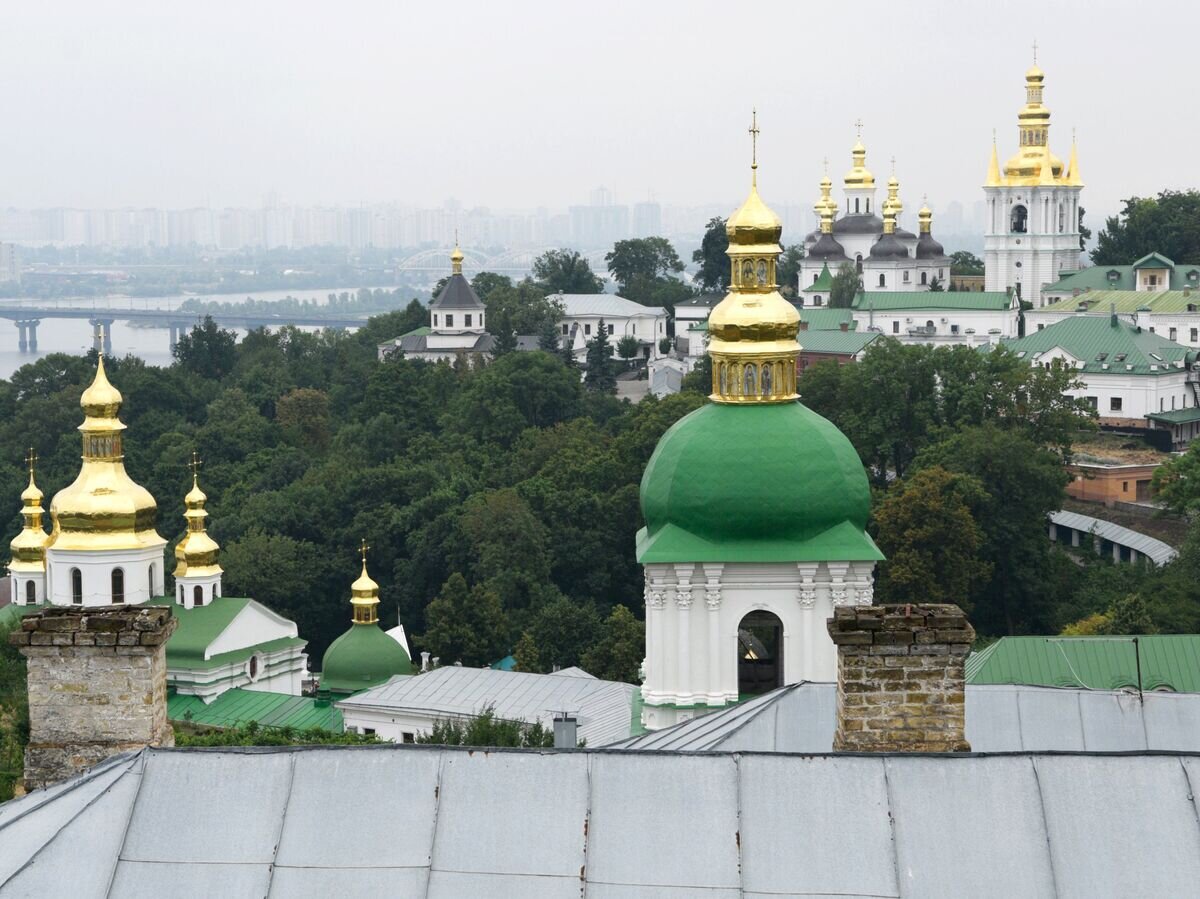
column 520, row 104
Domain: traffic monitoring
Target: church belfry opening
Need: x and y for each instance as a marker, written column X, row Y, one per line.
column 760, row 653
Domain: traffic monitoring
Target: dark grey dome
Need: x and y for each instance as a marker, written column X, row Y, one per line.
column 858, row 224
column 828, row 250
column 888, row 247
column 905, row 235
column 812, row 236
column 928, row 248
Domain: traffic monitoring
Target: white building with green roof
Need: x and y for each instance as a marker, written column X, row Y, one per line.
column 1133, row 377
column 971, row 318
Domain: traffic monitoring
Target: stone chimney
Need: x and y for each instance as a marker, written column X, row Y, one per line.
column 803, row 325
column 97, row 686
column 845, row 326
column 901, row 683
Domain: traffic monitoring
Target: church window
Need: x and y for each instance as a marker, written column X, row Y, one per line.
column 924, row 277
column 815, row 276
column 253, row 667
column 1195, row 335
column 150, row 583
column 722, row 378
column 30, row 593
column 1020, row 216
column 882, row 280
column 181, row 594
column 449, row 321
column 856, row 205
column 76, row 587
column 895, row 327
column 766, row 379
column 610, row 329
column 906, row 277
column 817, row 300
column 435, row 320
column 566, row 329
column 198, row 595
column 1062, row 218
column 1114, row 404
column 749, row 380
column 118, row 586
column 409, row 737
column 858, row 263
column 760, row 653
column 467, row 322
column 587, row 329
column 1172, row 334
column 868, row 205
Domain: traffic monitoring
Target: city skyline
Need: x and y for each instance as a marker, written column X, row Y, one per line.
column 324, row 116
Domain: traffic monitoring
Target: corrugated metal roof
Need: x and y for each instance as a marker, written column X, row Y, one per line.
column 237, row 706
column 845, row 343
column 1158, row 552
column 1168, row 661
column 999, row 718
column 580, row 304
column 951, row 300
column 826, row 319
column 1104, row 348
column 614, row 825
column 1100, row 302
column 601, row 707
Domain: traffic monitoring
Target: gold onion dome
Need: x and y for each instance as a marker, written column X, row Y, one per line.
column 196, row 553
column 364, row 595
column 29, row 546
column 103, row 508
column 1033, row 163
column 752, row 332
column 456, row 259
column 859, row 175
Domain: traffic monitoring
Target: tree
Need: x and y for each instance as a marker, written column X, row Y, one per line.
column 254, row 734
column 963, row 262
column 600, row 376
column 1130, row 615
column 563, row 630
column 486, row 282
column 712, row 257
column 1176, row 483
column 1168, row 224
column 485, row 729
column 699, row 379
column 207, row 350
column 1085, row 233
column 935, row 285
column 303, row 416
column 549, row 337
column 518, row 391
column 565, row 271
column 521, row 309
column 925, row 528
column 844, row 288
column 465, row 625
column 642, row 257
column 788, row 269
column 617, row 654
column 628, row 347
column 526, row 654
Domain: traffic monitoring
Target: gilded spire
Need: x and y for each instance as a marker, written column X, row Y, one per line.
column 925, row 216
column 196, row 553
column 893, row 198
column 456, row 257
column 29, row 546
column 752, row 332
column 993, row 175
column 364, row 594
column 826, row 206
column 1072, row 174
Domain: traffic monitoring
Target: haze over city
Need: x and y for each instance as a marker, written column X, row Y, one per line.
column 536, row 104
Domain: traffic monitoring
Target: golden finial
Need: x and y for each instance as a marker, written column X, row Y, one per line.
column 1035, row 51
column 825, row 166
column 194, row 465
column 893, row 166
column 362, row 551
column 31, row 461
column 858, row 127
column 754, row 146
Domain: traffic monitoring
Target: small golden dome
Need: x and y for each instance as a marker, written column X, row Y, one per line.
column 754, row 223
column 29, row 546
column 32, row 495
column 365, row 587
column 195, row 498
column 101, row 399
column 364, row 594
column 1035, row 74
column 859, row 175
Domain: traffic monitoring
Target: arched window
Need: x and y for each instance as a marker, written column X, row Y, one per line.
column 253, row 668
column 30, row 593
column 1020, row 216
column 750, row 380
column 118, row 586
column 198, row 595
column 760, row 653
column 929, row 324
column 856, row 205
column 181, row 594
column 924, row 277
column 858, row 263
column 150, row 583
column 882, row 280
column 76, row 587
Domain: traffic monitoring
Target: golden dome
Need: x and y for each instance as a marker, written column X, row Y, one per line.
column 29, row 546
column 103, row 509
column 1035, row 75
column 456, row 259
column 1033, row 163
column 859, row 175
column 364, row 594
column 752, row 332
column 196, row 553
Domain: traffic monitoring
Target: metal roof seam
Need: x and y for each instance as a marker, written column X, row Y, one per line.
column 587, row 827
column 891, row 813
column 287, row 801
column 1037, row 780
column 437, row 816
column 737, row 811
column 142, row 756
column 1187, row 777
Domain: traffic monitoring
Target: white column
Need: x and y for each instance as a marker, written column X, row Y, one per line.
column 686, row 687
column 806, row 596
column 712, row 600
column 655, row 624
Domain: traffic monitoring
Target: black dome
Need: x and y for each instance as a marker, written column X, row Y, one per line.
column 828, row 249
column 928, row 248
column 888, row 247
column 858, row 224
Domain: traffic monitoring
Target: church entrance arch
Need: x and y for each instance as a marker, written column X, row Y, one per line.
column 760, row 653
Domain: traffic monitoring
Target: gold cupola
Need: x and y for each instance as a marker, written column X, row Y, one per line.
column 826, row 206
column 925, row 218
column 752, row 332
column 196, row 554
column 29, row 546
column 859, row 175
column 893, row 198
column 1033, row 126
column 103, row 509
column 456, row 257
column 364, row 594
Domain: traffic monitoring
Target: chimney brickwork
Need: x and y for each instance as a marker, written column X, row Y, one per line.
column 97, row 686
column 901, row 680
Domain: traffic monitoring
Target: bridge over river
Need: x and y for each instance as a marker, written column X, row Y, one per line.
column 27, row 315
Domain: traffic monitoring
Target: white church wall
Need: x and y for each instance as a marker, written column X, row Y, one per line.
column 142, row 568
column 253, row 625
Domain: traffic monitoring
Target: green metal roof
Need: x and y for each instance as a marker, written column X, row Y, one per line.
column 826, row 319
column 754, row 483
column 236, row 707
column 824, row 281
column 1170, row 661
column 200, row 626
column 1176, row 416
column 364, row 656
column 1102, row 302
column 1096, row 341
column 842, row 343
column 1124, row 277
column 949, row 300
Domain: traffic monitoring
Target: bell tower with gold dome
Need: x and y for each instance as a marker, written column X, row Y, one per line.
column 1032, row 234
column 103, row 548
column 755, row 508
column 197, row 574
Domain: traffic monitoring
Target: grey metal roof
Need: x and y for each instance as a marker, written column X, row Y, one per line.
column 610, row 304
column 473, row 342
column 457, row 294
column 602, row 708
column 429, row 821
column 1158, row 552
column 858, row 224
column 1000, row 718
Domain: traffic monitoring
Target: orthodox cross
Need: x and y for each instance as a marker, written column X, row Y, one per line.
column 100, row 330
column 754, row 138
column 1035, row 51
column 825, row 163
column 31, row 461
column 195, row 464
column 363, row 552
column 858, row 126
column 893, row 165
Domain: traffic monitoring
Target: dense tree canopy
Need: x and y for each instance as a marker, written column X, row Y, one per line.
column 712, row 257
column 964, row 262
column 565, row 271
column 1167, row 224
column 844, row 287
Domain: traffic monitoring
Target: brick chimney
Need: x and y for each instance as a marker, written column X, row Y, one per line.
column 845, row 326
column 97, row 686
column 803, row 325
column 901, row 683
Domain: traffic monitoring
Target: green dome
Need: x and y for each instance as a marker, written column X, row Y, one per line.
column 755, row 483
column 363, row 657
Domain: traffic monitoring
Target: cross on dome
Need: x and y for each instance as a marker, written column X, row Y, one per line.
column 362, row 549
column 31, row 460
column 754, row 143
column 858, row 127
